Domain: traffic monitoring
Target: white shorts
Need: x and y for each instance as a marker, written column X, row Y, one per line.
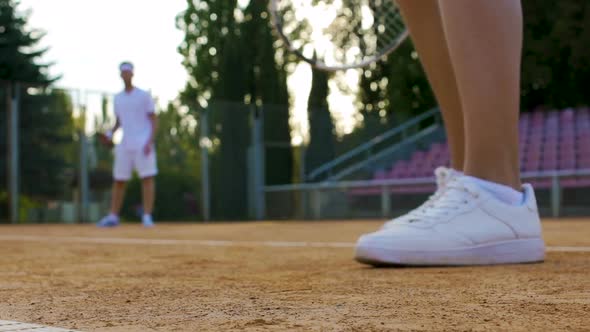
column 126, row 161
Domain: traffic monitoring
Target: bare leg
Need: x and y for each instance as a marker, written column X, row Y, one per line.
column 148, row 186
column 485, row 43
column 423, row 19
column 118, row 193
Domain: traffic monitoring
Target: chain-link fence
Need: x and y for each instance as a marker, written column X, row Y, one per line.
column 247, row 146
column 251, row 146
column 210, row 161
column 49, row 156
column 52, row 160
column 228, row 161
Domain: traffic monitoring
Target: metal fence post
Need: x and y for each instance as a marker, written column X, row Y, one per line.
column 302, row 179
column 316, row 204
column 84, row 183
column 555, row 196
column 258, row 162
column 13, row 97
column 204, row 146
column 303, row 197
column 385, row 202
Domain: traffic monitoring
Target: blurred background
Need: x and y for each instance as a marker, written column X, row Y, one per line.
column 248, row 131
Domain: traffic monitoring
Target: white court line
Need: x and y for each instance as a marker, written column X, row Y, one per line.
column 10, row 326
column 568, row 249
column 206, row 243
column 216, row 243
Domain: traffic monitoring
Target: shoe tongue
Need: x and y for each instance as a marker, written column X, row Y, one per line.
column 441, row 172
column 442, row 175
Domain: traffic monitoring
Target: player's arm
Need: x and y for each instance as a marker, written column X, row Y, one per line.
column 117, row 126
column 150, row 108
column 149, row 145
column 154, row 126
column 109, row 133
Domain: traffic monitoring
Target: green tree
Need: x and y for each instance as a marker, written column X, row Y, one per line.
column 266, row 81
column 390, row 92
column 229, row 56
column 49, row 152
column 46, row 126
column 321, row 128
column 19, row 53
column 212, row 59
column 556, row 65
column 177, row 144
column 397, row 87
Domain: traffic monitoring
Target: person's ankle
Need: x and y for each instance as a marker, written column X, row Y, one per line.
column 456, row 171
column 504, row 178
column 504, row 193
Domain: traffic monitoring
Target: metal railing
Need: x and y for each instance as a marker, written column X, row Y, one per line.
column 314, row 190
column 376, row 148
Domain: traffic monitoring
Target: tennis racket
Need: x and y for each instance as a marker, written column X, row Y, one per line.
column 338, row 34
column 105, row 140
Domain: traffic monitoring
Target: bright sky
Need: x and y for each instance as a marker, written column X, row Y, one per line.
column 89, row 38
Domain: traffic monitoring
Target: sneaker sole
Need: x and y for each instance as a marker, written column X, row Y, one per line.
column 506, row 252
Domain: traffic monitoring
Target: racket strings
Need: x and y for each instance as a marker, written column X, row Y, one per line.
column 359, row 31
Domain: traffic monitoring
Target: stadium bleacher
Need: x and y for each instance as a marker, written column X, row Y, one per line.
column 549, row 141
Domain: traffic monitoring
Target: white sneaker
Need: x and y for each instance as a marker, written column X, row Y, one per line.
column 147, row 221
column 109, row 220
column 465, row 225
column 443, row 176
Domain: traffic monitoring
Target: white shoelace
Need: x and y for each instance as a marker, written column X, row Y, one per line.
column 442, row 175
column 453, row 198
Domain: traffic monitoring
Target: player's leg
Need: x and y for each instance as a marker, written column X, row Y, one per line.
column 423, row 19
column 148, row 189
column 475, row 221
column 147, row 169
column 122, row 171
column 118, row 194
column 485, row 42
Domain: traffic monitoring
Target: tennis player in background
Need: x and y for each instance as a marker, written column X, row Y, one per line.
column 135, row 112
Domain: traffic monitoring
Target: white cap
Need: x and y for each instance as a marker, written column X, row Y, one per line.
column 126, row 66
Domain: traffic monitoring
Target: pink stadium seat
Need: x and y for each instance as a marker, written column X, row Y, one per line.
column 548, row 141
column 584, row 163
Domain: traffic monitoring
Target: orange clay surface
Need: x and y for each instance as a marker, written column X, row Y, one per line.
column 276, row 276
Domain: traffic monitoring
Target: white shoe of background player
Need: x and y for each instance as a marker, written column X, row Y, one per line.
column 443, row 176
column 109, row 220
column 465, row 225
column 147, row 221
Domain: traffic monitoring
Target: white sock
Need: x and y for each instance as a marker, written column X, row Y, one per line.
column 504, row 193
column 455, row 172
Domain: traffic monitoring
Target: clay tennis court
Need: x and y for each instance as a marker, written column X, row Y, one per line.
column 276, row 276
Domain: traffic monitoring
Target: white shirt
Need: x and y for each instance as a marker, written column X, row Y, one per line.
column 133, row 109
